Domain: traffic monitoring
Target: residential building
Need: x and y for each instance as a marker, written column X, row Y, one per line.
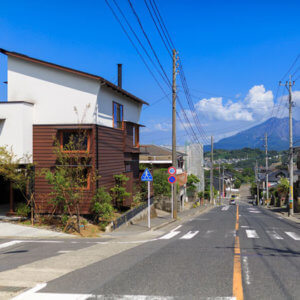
column 194, row 162
column 46, row 101
column 157, row 157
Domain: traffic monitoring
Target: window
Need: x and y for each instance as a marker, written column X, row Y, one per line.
column 75, row 140
column 81, row 177
column 135, row 136
column 127, row 167
column 117, row 115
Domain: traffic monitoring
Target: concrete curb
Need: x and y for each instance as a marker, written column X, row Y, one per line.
column 282, row 214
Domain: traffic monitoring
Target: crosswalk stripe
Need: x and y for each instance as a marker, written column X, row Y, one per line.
column 225, row 207
column 8, row 244
column 293, row 235
column 189, row 235
column 251, row 234
column 274, row 235
column 169, row 235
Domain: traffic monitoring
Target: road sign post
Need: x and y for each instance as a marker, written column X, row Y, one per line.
column 147, row 176
column 172, row 179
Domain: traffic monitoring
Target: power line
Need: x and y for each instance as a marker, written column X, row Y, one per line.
column 291, row 67
column 142, row 58
column 167, row 40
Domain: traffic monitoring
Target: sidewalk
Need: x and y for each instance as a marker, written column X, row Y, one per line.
column 8, row 230
column 283, row 212
column 163, row 219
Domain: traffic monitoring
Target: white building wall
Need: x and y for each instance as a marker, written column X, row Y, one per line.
column 194, row 162
column 16, row 121
column 56, row 94
column 106, row 97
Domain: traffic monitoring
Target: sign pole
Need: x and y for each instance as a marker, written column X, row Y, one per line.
column 149, row 226
column 172, row 201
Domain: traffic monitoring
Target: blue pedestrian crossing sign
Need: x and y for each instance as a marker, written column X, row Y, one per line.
column 147, row 176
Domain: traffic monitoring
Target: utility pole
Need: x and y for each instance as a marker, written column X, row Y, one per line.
column 223, row 190
column 174, row 156
column 219, row 184
column 257, row 182
column 267, row 167
column 289, row 85
column 212, row 200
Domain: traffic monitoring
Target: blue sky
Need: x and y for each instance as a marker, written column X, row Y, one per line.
column 233, row 53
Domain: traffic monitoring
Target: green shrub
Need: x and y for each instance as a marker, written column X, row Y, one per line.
column 161, row 185
column 22, row 210
column 102, row 205
column 119, row 193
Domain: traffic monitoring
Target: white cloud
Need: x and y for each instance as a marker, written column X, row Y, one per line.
column 257, row 105
column 258, row 101
column 214, row 108
column 163, row 126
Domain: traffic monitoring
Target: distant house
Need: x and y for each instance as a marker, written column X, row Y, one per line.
column 194, row 162
column 160, row 157
column 47, row 101
column 157, row 157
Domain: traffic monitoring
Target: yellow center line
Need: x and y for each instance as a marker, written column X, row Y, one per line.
column 237, row 284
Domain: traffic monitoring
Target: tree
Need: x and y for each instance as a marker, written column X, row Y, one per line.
column 191, row 180
column 283, row 187
column 71, row 176
column 119, row 193
column 161, row 185
column 102, row 206
column 237, row 184
column 20, row 177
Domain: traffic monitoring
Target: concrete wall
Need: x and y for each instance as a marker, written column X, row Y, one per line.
column 16, row 128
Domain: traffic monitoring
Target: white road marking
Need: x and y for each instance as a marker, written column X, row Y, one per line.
column 293, row 235
column 251, row 234
column 225, row 207
column 246, row 270
column 30, row 292
column 64, row 251
column 255, row 211
column 274, row 235
column 169, row 235
column 9, row 244
column 174, row 229
column 244, row 226
column 189, row 235
column 208, row 233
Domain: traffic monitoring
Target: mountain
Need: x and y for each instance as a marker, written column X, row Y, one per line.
column 278, row 136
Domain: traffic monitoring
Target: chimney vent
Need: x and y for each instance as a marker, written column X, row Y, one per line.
column 120, row 75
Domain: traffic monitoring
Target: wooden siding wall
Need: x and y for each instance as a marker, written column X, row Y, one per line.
column 110, row 155
column 111, row 160
column 44, row 158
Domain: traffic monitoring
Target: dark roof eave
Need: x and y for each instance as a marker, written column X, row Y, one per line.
column 70, row 70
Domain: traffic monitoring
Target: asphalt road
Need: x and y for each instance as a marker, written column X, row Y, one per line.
column 194, row 261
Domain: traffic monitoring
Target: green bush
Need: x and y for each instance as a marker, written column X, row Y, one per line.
column 102, row 205
column 191, row 180
column 161, row 185
column 119, row 193
column 22, row 210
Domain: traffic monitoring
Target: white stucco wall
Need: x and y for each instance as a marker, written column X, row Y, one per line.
column 106, row 97
column 16, row 121
column 55, row 93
